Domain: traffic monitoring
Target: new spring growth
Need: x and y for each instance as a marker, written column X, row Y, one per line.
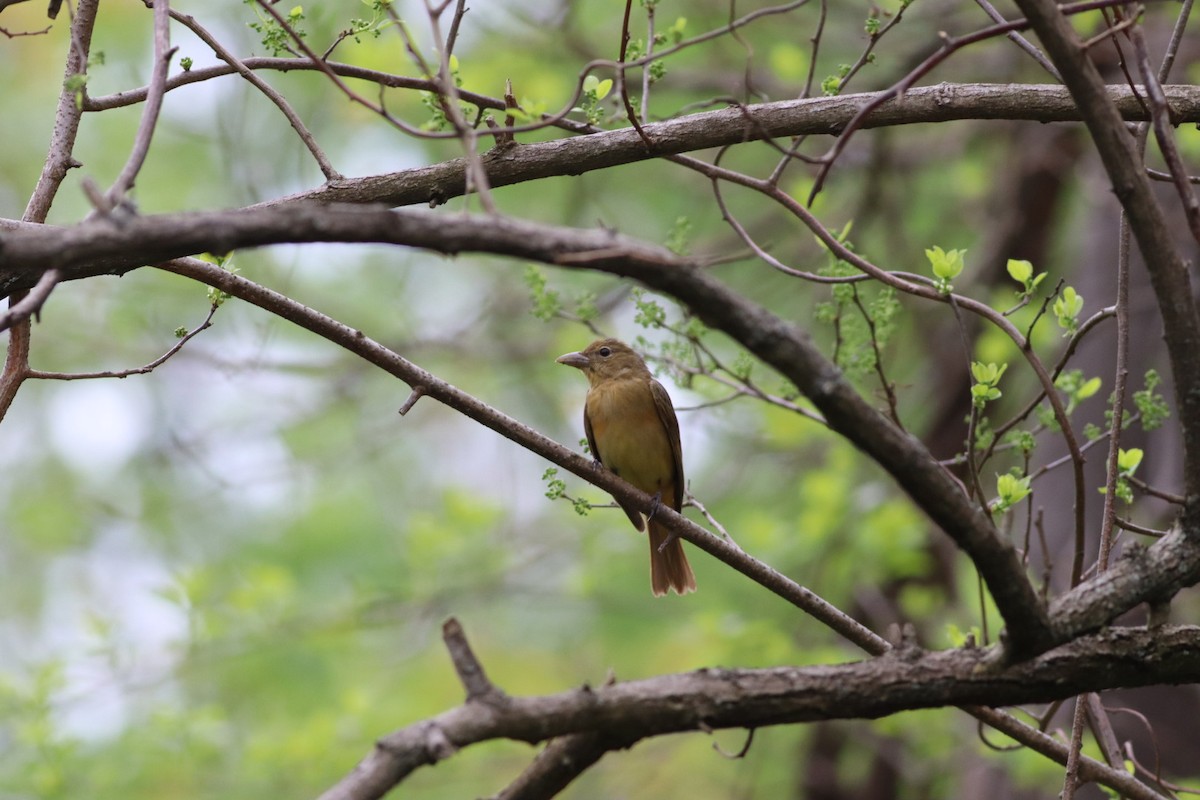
column 1010, row 490
column 1022, row 273
column 987, row 378
column 1067, row 308
column 946, row 267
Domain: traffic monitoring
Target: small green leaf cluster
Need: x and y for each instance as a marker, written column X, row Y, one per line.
column 673, row 34
column 1066, row 310
column 947, row 265
column 546, row 302
column 274, row 37
column 1127, row 463
column 1150, row 404
column 742, row 366
column 1022, row 273
column 650, row 314
column 555, row 487
column 1076, row 388
column 433, row 102
column 1023, row 440
column 833, row 83
column 679, row 235
column 1010, row 490
column 594, row 90
column 1152, row 408
column 863, row 319
column 375, row 25
column 985, row 436
column 225, row 262
column 987, row 379
column 77, row 84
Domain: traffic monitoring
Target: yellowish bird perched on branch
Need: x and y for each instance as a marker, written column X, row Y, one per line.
column 631, row 429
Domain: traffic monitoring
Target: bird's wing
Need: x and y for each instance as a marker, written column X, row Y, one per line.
column 591, row 437
column 666, row 414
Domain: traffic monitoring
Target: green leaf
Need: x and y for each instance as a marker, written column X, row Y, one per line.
column 1020, row 271
column 947, row 265
column 1128, row 460
column 1088, row 389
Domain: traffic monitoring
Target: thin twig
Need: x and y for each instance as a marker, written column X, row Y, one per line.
column 1021, row 42
column 1164, row 133
column 1120, row 379
column 125, row 373
column 246, row 71
column 1133, row 527
column 1071, row 778
column 1170, row 497
column 31, row 303
column 154, row 97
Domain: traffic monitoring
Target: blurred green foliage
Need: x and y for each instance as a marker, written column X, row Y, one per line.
column 226, row 579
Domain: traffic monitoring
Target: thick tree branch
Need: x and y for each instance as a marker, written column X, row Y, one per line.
column 709, row 699
column 822, row 115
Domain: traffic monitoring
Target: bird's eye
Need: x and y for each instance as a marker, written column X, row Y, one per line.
column 605, row 351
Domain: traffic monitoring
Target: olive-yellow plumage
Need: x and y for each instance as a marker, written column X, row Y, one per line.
column 631, row 429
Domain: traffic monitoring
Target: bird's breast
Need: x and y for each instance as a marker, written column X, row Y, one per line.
column 631, row 438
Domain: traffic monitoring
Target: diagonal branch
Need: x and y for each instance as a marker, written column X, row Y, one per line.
column 102, row 246
column 427, row 384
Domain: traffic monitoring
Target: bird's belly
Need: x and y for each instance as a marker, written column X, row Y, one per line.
column 632, row 441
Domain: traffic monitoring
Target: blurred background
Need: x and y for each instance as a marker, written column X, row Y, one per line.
column 227, row 578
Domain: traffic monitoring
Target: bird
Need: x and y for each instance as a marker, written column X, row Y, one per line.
column 632, row 430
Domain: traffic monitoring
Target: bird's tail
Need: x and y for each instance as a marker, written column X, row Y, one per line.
column 669, row 568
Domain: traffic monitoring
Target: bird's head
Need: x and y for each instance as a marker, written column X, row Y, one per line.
column 606, row 359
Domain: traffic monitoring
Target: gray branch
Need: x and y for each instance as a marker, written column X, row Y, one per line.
column 620, row 714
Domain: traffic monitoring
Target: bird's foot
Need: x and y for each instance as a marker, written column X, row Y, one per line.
column 655, row 505
column 672, row 536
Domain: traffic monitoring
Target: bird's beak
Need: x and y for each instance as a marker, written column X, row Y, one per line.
column 577, row 360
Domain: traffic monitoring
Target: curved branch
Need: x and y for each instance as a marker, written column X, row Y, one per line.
column 620, row 714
